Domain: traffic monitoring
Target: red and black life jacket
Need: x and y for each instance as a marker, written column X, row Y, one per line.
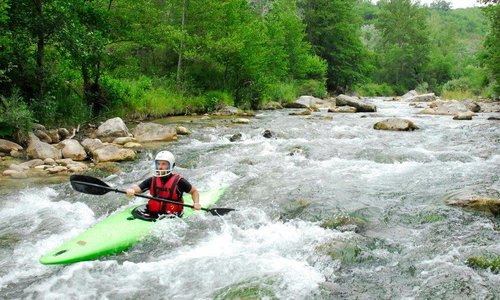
column 167, row 191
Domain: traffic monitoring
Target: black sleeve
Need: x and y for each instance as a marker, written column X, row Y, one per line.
column 146, row 184
column 184, row 186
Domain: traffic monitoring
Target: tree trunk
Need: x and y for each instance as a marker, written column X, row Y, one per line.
column 181, row 46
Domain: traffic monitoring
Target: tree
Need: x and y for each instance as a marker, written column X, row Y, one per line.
column 404, row 49
column 491, row 55
column 333, row 28
column 441, row 5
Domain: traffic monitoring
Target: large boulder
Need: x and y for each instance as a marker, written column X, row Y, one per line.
column 344, row 100
column 395, row 124
column 409, row 95
column 72, row 149
column 42, row 150
column 90, row 145
column 113, row 153
column 312, row 102
column 111, row 129
column 150, row 132
column 7, row 146
column 422, row 98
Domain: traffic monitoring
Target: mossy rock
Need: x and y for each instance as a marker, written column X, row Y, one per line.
column 346, row 253
column 491, row 263
column 295, row 209
column 247, row 291
column 344, row 222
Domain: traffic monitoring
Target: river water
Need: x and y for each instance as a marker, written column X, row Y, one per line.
column 404, row 242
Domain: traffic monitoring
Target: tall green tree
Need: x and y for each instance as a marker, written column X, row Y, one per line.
column 333, row 28
column 404, row 49
column 491, row 55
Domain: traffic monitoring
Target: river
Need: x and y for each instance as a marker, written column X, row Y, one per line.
column 404, row 242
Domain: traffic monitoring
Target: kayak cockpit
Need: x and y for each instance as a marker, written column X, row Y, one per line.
column 141, row 212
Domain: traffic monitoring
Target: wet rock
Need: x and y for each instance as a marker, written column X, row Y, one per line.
column 49, row 161
column 91, row 145
column 72, row 149
column 54, row 136
column 342, row 109
column 344, row 100
column 124, row 140
column 440, row 107
column 236, row 137
column 42, row 150
column 227, row 111
column 15, row 174
column 472, row 105
column 312, row 102
column 18, row 168
column 43, row 136
column 273, row 105
column 409, row 95
column 494, row 118
column 32, row 163
column 113, row 153
column 395, row 124
column 7, row 146
column 267, row 134
column 150, row 132
column 302, row 113
column 463, row 116
column 112, row 129
column 422, row 98
column 132, row 145
column 181, row 130
column 63, row 133
column 56, row 169
column 240, row 121
column 17, row 154
column 478, row 203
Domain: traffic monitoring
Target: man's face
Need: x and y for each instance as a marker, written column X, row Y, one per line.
column 163, row 165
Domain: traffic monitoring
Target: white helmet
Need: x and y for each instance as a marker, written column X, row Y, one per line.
column 168, row 156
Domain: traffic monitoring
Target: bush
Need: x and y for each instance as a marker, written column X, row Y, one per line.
column 374, row 89
column 280, row 92
column 15, row 116
column 214, row 100
column 312, row 87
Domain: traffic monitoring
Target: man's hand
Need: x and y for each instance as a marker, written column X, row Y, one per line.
column 197, row 206
column 130, row 192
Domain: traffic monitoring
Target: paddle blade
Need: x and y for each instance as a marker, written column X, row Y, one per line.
column 220, row 211
column 88, row 185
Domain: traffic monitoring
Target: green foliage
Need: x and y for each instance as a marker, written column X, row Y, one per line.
column 491, row 55
column 374, row 89
column 312, row 87
column 15, row 116
column 404, row 49
column 333, row 27
column 280, row 92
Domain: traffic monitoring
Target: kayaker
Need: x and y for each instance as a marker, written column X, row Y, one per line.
column 167, row 185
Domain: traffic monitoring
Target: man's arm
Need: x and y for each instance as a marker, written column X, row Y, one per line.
column 196, row 198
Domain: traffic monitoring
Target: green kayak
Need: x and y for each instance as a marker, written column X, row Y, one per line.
column 116, row 233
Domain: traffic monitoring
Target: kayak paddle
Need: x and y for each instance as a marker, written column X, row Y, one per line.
column 94, row 186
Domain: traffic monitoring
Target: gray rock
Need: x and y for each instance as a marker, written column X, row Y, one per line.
column 150, row 132
column 395, row 124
